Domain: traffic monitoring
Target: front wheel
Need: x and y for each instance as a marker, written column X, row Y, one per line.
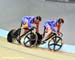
column 30, row 39
column 55, row 43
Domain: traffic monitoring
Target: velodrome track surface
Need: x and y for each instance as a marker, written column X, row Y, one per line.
column 15, row 51
column 11, row 17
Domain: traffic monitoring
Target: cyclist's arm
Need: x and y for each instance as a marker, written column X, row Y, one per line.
column 37, row 27
column 58, row 29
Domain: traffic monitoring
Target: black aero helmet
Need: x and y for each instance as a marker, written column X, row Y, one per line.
column 39, row 18
column 60, row 20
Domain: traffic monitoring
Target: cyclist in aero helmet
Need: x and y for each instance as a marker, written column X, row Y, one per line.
column 27, row 22
column 52, row 25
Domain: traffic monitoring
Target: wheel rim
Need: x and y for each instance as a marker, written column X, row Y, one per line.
column 28, row 41
column 55, row 43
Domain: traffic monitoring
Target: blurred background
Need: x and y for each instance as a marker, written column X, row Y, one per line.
column 11, row 12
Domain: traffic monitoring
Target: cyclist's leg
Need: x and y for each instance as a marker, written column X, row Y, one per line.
column 23, row 32
column 47, row 33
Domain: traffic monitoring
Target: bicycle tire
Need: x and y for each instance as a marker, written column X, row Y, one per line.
column 55, row 43
column 31, row 41
column 10, row 36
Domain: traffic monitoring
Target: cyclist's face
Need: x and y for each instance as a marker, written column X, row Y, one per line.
column 60, row 23
column 37, row 21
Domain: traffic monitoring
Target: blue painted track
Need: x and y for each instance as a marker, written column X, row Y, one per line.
column 65, row 48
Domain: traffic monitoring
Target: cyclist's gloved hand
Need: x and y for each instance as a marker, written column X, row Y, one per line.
column 58, row 32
